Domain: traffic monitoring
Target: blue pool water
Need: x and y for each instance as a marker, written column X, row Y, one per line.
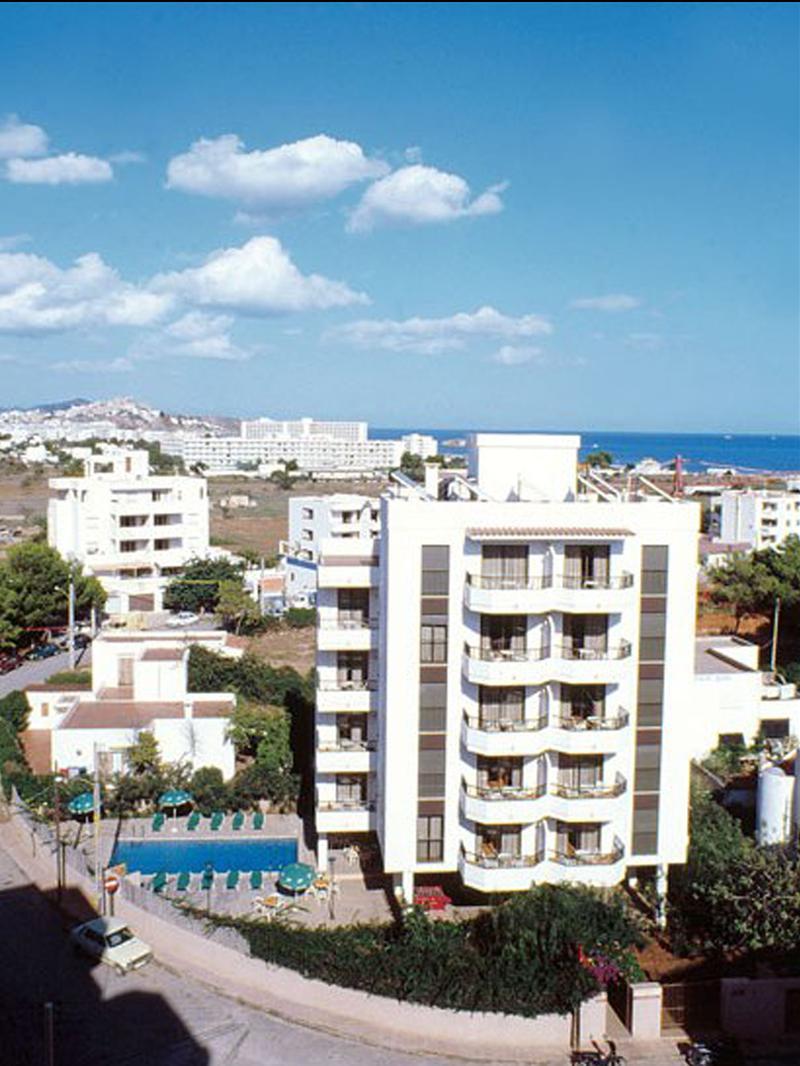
column 173, row 856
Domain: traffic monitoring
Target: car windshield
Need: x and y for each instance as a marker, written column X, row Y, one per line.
column 119, row 936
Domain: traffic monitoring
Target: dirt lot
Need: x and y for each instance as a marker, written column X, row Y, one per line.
column 286, row 647
column 260, row 528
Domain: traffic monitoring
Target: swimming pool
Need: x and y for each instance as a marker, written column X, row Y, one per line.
column 173, row 856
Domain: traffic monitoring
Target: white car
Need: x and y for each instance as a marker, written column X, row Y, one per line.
column 112, row 942
column 183, row 618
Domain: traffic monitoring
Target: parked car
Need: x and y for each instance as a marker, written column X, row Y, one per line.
column 9, row 661
column 44, row 651
column 183, row 618
column 111, row 941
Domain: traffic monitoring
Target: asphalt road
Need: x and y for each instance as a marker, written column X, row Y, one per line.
column 35, row 672
column 149, row 1018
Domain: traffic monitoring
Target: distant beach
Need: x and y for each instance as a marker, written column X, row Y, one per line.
column 747, row 452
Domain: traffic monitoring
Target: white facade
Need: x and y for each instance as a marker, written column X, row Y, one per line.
column 314, row 519
column 315, row 455
column 264, row 428
column 760, row 518
column 421, row 444
column 505, row 681
column 130, row 529
column 139, row 683
column 735, row 700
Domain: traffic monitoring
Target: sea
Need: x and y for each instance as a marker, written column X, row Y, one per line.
column 746, row 452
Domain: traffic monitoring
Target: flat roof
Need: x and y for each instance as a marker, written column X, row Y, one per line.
column 133, row 714
column 709, row 656
column 163, row 655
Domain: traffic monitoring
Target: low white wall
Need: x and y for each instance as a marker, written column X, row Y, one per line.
column 346, row 1012
column 753, row 1008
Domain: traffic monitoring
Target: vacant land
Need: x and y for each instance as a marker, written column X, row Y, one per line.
column 286, row 647
column 260, row 528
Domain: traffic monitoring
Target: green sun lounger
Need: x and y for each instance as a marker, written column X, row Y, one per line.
column 158, row 821
column 233, row 879
column 158, row 881
column 256, row 879
column 238, row 820
column 258, row 820
column 208, row 880
column 183, row 881
column 217, row 818
column 194, row 821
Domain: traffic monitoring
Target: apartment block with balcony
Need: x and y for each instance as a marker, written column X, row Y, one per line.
column 759, row 518
column 530, row 654
column 130, row 529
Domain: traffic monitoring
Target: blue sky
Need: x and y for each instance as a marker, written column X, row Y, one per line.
column 511, row 216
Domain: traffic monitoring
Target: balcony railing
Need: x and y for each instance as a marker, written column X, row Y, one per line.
column 594, row 721
column 348, row 623
column 589, row 858
column 346, row 805
column 506, row 725
column 349, row 745
column 347, row 685
column 505, row 792
column 550, row 581
column 619, row 650
column 501, row 860
column 600, row 790
column 506, row 655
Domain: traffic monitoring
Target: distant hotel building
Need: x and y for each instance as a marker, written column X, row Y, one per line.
column 759, row 518
column 320, row 449
column 505, row 676
column 130, row 529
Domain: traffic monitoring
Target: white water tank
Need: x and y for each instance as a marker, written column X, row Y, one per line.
column 774, row 806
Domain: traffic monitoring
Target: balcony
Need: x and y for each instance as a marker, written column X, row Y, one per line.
column 348, row 696
column 502, row 806
column 594, row 735
column 345, row 816
column 346, row 634
column 535, row 666
column 500, row 873
column 503, row 736
column 347, row 572
column 598, row 802
column 345, row 756
column 544, row 592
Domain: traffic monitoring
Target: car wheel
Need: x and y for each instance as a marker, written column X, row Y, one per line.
column 120, row 971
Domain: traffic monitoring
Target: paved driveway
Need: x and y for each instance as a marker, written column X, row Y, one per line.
column 35, row 672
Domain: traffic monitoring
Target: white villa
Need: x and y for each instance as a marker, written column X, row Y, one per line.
column 139, row 683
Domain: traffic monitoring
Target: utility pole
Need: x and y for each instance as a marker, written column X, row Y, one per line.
column 98, row 876
column 776, row 614
column 71, row 620
column 58, row 838
column 49, row 1047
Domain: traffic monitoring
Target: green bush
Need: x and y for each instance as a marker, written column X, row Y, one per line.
column 521, row 958
column 71, row 677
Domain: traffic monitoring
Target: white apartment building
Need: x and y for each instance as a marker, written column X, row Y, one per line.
column 505, row 677
column 320, row 449
column 760, row 518
column 295, row 429
column 130, row 529
column 313, row 519
column 139, row 683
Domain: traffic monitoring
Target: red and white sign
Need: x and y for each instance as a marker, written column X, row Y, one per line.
column 111, row 882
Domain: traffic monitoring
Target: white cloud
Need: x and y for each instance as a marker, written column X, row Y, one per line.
column 430, row 336
column 645, row 342
column 125, row 157
column 36, row 296
column 259, row 278
column 289, row 176
column 119, row 365
column 195, row 335
column 511, row 355
column 19, row 139
column 417, row 195
column 13, row 240
column 615, row 301
column 69, row 169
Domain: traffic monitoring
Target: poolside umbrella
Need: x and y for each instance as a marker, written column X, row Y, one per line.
column 174, row 797
column 296, row 877
column 81, row 804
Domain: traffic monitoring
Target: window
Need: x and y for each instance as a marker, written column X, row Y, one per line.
column 435, row 569
column 648, row 767
column 500, row 706
column 351, row 729
column 500, row 840
column 652, row 634
column 580, row 771
column 654, row 569
column 352, row 668
column 433, row 644
column 504, row 565
column 578, row 838
column 586, row 566
column 353, row 607
column 432, row 707
column 583, row 701
column 586, row 633
column 307, row 513
column 499, row 773
column 503, row 634
column 431, row 772
column 430, row 837
column 351, row 788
